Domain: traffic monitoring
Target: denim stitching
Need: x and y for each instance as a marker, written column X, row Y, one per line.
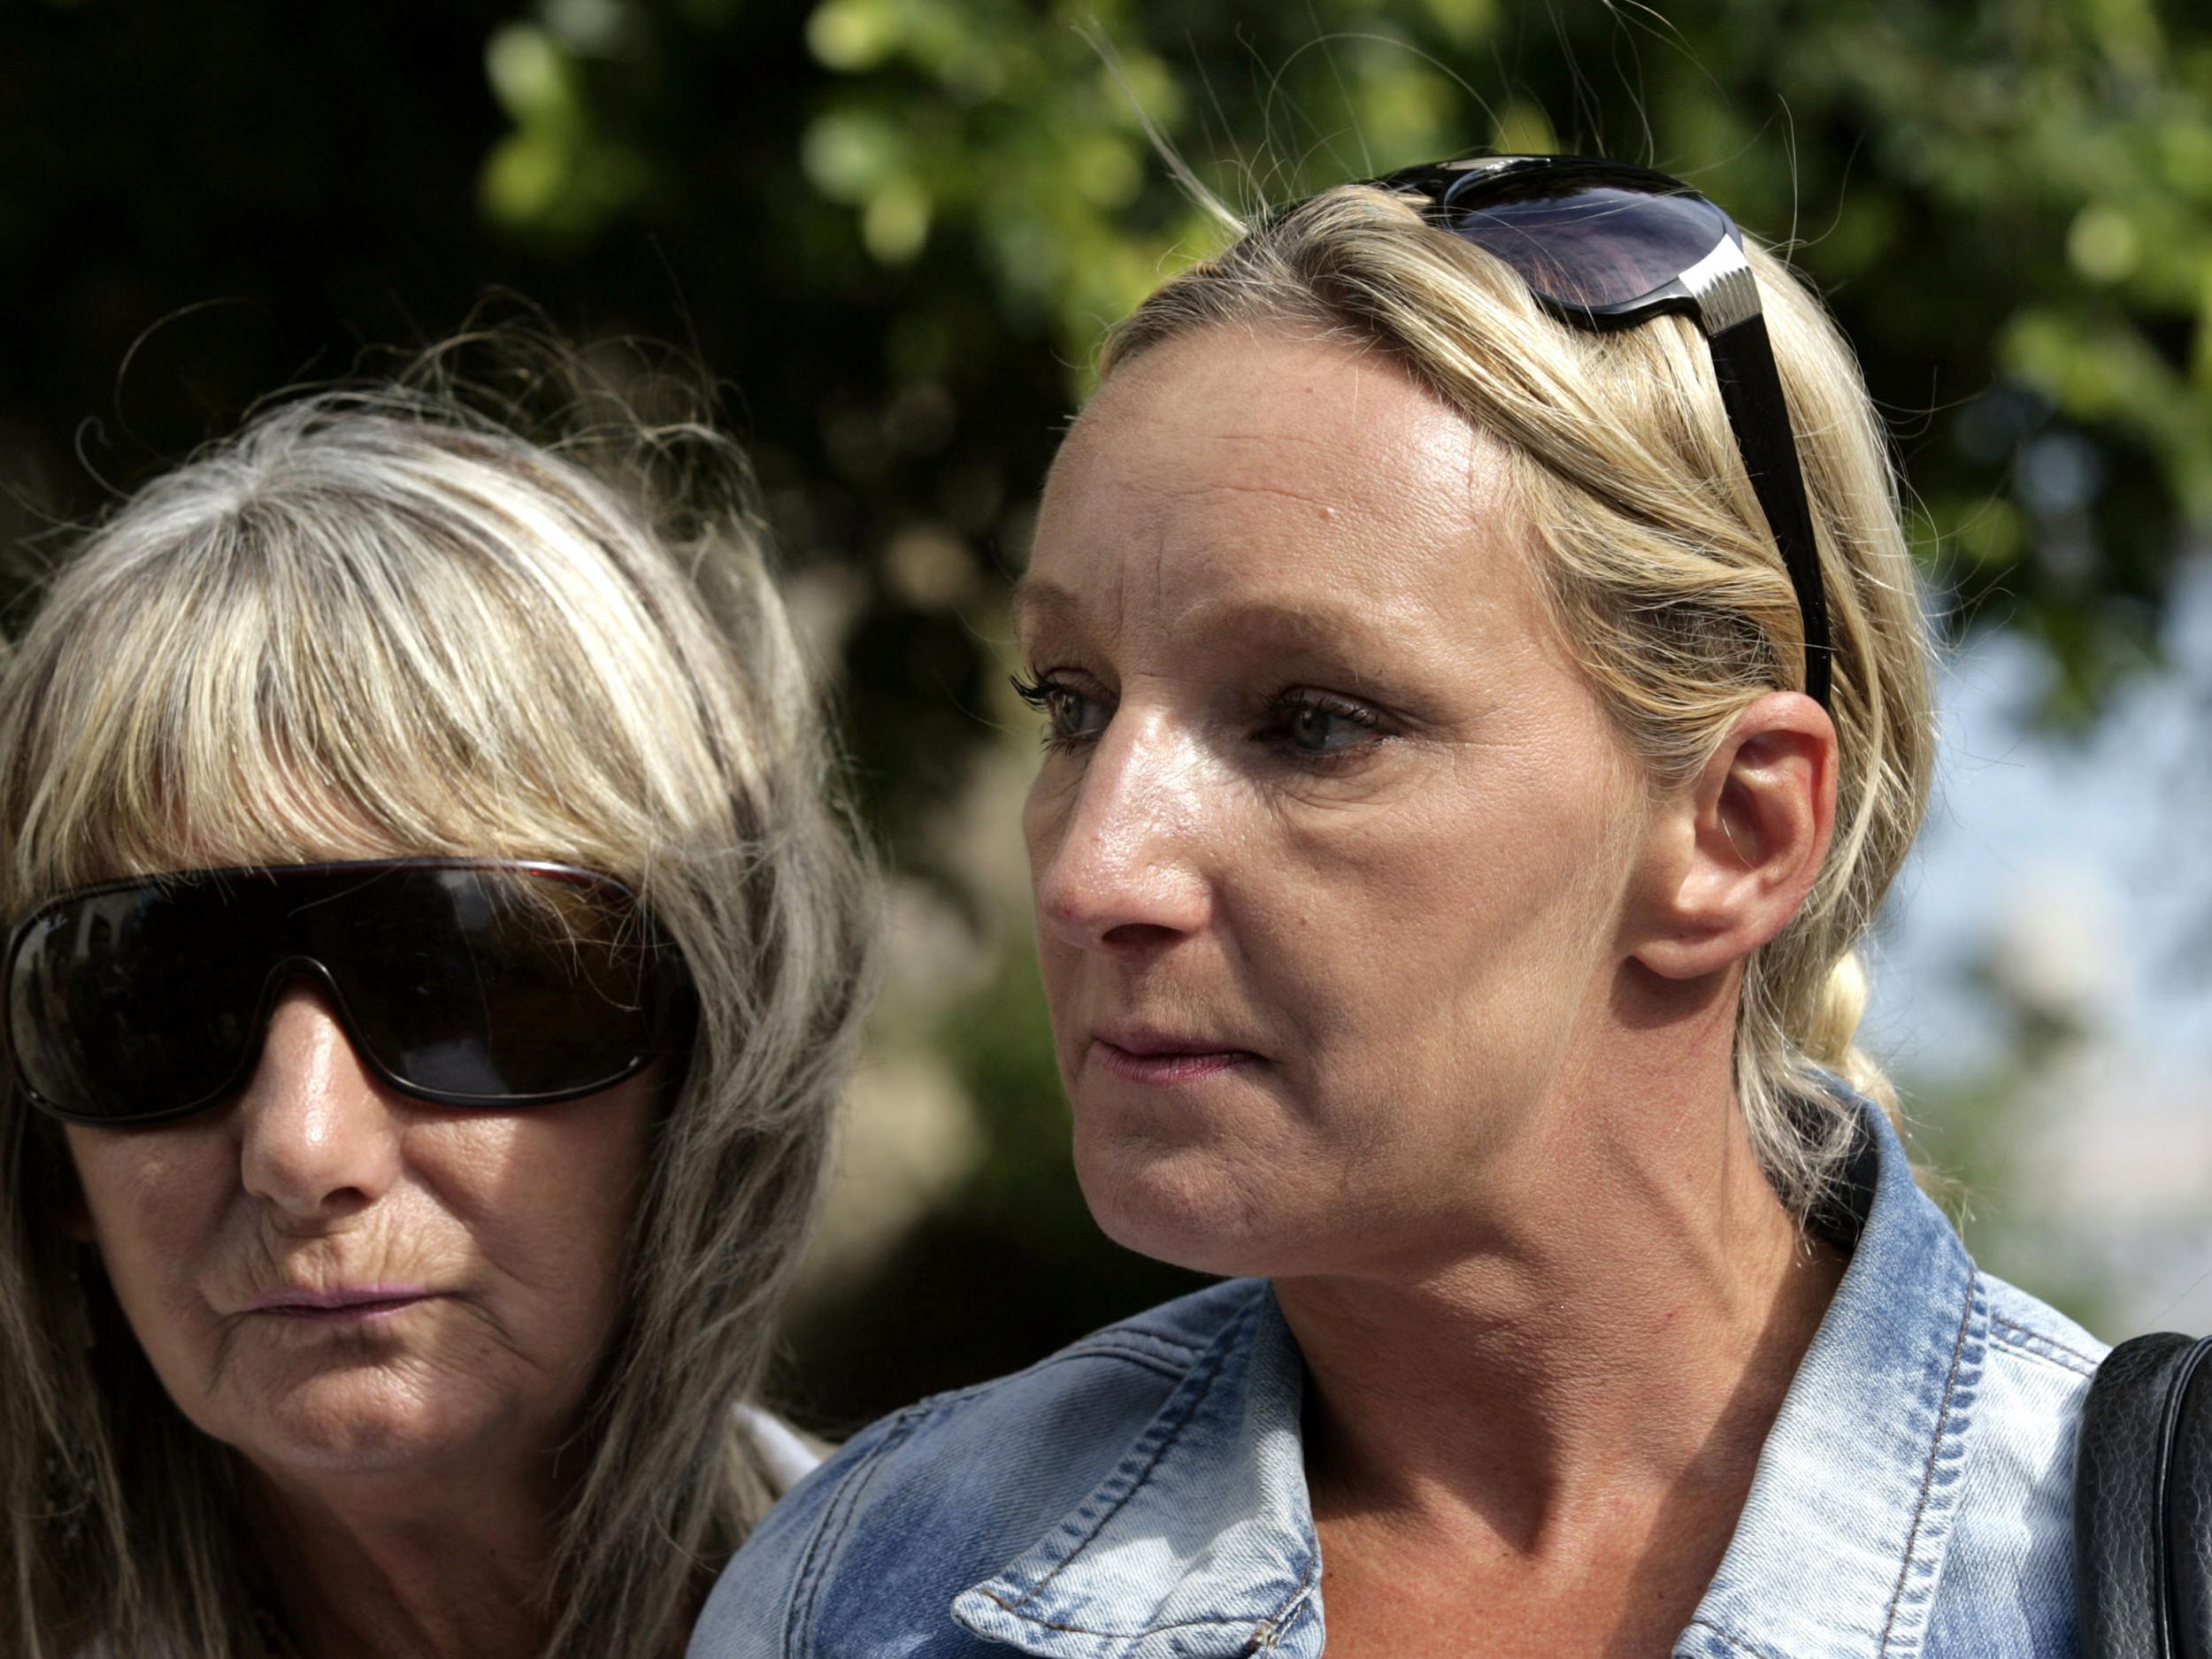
column 1927, row 1477
column 2025, row 1339
column 836, row 1522
column 1268, row 1634
column 844, row 1506
column 1222, row 1349
column 1115, row 1338
column 1728, row 1642
column 1090, row 1348
column 1264, row 1633
column 1156, row 1362
column 1112, row 1635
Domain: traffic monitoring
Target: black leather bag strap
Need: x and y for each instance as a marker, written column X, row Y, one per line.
column 2187, row 1508
column 2143, row 1503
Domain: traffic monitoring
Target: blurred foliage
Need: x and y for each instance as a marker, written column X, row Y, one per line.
column 897, row 227
column 1967, row 1140
column 2010, row 203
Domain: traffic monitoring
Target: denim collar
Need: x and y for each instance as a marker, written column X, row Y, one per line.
column 1200, row 1543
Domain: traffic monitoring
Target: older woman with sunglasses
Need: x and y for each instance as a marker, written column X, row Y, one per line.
column 1476, row 736
column 434, row 959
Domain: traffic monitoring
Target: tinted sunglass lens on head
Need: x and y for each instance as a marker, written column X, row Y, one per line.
column 1605, row 244
column 1595, row 246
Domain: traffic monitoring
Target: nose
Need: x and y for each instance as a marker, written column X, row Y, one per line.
column 318, row 1140
column 1117, row 853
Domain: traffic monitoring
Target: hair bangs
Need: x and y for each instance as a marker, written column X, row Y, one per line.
column 284, row 686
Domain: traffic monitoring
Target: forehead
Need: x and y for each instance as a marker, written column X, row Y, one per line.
column 1270, row 470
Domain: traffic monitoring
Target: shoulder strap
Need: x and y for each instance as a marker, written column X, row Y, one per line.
column 2187, row 1507
column 2143, row 1503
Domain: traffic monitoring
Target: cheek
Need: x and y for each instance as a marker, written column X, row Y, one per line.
column 1453, row 934
column 1041, row 811
column 1045, row 811
column 156, row 1201
column 1060, row 963
column 549, row 1198
column 524, row 1219
column 527, row 1217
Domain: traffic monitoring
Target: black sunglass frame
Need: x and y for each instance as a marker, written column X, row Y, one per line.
column 669, row 1008
column 1718, row 292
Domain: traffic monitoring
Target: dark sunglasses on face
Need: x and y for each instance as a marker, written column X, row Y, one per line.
column 496, row 984
column 1603, row 244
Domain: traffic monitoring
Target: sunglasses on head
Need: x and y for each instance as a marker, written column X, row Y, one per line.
column 1603, row 244
column 489, row 983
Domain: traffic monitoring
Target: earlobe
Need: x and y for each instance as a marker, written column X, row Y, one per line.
column 1745, row 840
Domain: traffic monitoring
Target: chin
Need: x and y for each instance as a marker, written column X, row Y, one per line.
column 363, row 1422
column 1189, row 1205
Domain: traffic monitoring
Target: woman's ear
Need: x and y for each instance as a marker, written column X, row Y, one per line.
column 1739, row 849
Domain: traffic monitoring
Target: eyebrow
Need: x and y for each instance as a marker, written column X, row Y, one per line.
column 1037, row 601
column 1323, row 626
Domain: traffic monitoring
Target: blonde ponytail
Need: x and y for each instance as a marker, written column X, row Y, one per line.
column 1830, row 1042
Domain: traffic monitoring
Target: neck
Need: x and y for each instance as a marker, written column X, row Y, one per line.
column 1607, row 1350
column 367, row 1567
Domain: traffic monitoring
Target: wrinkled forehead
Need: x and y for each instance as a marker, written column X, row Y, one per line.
column 1293, row 475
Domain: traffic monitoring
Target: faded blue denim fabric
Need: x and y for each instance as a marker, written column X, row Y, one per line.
column 1142, row 1496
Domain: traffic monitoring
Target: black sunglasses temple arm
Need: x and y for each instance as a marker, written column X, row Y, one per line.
column 1751, row 392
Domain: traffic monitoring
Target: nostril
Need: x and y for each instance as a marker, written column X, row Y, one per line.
column 1138, row 936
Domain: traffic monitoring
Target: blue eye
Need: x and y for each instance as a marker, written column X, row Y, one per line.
column 1313, row 724
column 1072, row 716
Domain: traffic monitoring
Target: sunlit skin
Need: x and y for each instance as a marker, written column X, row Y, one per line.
column 1376, row 968
column 401, row 1457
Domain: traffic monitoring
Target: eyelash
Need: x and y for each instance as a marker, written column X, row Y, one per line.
column 1286, row 706
column 1039, row 694
column 1281, row 708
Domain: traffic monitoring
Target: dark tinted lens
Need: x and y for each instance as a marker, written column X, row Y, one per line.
column 133, row 1003
column 1595, row 247
column 488, row 985
column 479, row 986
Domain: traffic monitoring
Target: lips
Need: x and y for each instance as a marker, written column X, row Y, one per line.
column 1163, row 1059
column 339, row 1305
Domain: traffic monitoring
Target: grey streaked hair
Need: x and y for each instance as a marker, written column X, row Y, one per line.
column 378, row 623
column 1655, row 556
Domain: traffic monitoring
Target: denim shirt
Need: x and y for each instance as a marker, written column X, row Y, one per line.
column 1141, row 1494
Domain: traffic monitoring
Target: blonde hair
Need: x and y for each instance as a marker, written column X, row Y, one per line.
column 380, row 623
column 1656, row 562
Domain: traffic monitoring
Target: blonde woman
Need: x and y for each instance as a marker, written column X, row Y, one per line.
column 435, row 953
column 1485, row 701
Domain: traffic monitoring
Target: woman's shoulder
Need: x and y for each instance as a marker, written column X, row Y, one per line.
column 2049, row 1347
column 2034, row 1383
column 2008, row 1577
column 929, row 1501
